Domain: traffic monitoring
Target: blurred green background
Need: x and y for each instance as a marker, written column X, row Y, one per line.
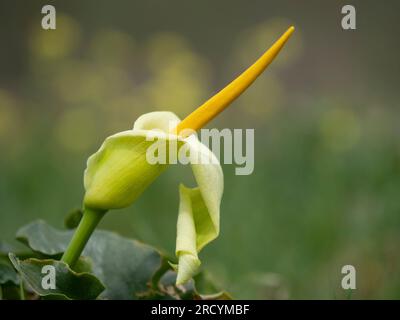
column 325, row 190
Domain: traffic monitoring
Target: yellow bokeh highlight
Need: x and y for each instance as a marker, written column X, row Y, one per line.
column 179, row 78
column 58, row 43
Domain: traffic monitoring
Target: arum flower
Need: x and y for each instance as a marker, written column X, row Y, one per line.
column 119, row 172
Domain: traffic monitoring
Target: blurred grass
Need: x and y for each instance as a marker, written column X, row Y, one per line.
column 325, row 188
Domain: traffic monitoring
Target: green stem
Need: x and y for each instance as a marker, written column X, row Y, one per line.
column 90, row 220
column 21, row 290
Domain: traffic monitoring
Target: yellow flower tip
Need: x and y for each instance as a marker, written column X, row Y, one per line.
column 216, row 104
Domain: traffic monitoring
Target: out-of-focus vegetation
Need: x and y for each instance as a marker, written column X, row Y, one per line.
column 325, row 190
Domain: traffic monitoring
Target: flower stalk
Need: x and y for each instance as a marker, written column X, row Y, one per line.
column 89, row 222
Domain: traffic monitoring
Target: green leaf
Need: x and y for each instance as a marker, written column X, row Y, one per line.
column 5, row 248
column 8, row 274
column 42, row 238
column 126, row 267
column 69, row 284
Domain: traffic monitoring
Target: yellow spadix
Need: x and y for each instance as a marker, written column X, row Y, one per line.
column 216, row 104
